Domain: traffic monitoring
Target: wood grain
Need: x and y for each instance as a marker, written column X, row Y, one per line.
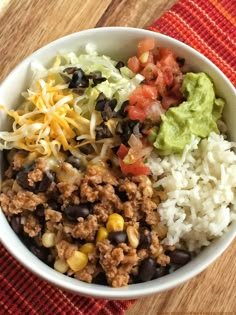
column 26, row 25
column 134, row 13
column 213, row 291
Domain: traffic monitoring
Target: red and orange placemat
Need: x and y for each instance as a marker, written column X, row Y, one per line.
column 210, row 27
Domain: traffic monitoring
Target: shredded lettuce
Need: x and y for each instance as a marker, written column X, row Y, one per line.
column 53, row 115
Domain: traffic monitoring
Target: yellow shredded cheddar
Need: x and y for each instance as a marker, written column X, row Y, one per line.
column 52, row 122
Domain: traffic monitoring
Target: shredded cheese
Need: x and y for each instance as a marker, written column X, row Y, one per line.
column 54, row 118
column 50, row 125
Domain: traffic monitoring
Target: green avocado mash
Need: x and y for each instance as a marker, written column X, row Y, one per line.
column 195, row 116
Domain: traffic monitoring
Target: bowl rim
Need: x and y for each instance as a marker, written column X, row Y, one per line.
column 15, row 246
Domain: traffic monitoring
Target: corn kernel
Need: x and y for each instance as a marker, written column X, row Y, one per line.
column 48, row 239
column 133, row 236
column 77, row 261
column 61, row 265
column 116, row 216
column 87, row 248
column 102, row 234
column 115, row 225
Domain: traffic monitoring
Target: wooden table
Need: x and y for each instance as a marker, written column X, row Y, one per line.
column 26, row 25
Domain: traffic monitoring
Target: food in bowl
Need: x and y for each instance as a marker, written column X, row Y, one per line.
column 118, row 175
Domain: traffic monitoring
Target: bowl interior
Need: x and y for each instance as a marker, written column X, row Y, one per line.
column 119, row 43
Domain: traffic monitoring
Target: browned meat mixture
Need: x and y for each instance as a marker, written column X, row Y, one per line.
column 94, row 223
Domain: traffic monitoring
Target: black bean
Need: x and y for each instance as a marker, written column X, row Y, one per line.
column 125, row 128
column 106, row 115
column 180, row 61
column 120, row 64
column 160, row 271
column 42, row 186
column 122, row 195
column 54, row 205
column 40, row 214
column 101, row 97
column 78, row 80
column 112, row 103
column 22, row 180
column 74, row 161
column 53, row 194
column 78, row 90
column 94, row 75
column 100, row 279
column 41, row 252
column 100, row 104
column 87, row 149
column 109, row 163
column 179, row 257
column 73, row 212
column 122, row 112
column 115, row 149
column 16, row 224
column 143, row 224
column 39, row 211
column 147, row 269
column 70, row 70
column 117, row 237
column 97, row 81
column 119, row 128
column 102, row 132
column 145, row 239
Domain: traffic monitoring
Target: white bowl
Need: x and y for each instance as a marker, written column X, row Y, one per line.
column 119, row 43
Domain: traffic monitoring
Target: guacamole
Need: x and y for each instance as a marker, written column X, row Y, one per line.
column 195, row 116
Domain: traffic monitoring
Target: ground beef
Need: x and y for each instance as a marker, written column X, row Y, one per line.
column 117, row 262
column 86, row 228
column 65, row 249
column 87, row 274
column 35, row 176
column 14, row 203
column 66, row 189
column 150, row 209
column 144, row 185
column 17, row 160
column 52, row 215
column 101, row 191
column 96, row 176
column 103, row 210
column 31, row 226
column 157, row 250
column 129, row 187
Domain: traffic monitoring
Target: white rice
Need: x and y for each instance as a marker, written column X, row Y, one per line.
column 201, row 190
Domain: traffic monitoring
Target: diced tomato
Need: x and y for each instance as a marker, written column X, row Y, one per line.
column 160, row 81
column 137, row 98
column 122, row 151
column 134, row 64
column 137, row 168
column 167, row 57
column 136, row 113
column 150, row 72
column 168, row 101
column 149, row 91
column 168, row 76
column 146, row 44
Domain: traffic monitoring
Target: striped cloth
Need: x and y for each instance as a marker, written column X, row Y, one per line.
column 206, row 25
column 209, row 26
